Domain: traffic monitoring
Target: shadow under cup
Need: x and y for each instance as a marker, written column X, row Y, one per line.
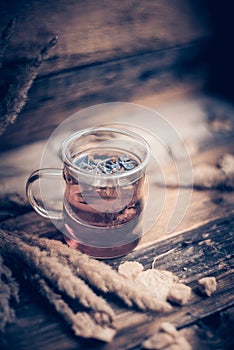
column 104, row 171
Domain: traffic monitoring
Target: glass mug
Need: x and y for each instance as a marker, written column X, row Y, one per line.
column 105, row 186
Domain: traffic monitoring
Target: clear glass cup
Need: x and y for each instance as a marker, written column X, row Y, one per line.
column 104, row 198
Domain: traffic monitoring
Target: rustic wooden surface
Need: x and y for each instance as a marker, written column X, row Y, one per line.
column 109, row 51
column 53, row 99
column 202, row 245
column 204, row 251
column 93, row 32
column 151, row 53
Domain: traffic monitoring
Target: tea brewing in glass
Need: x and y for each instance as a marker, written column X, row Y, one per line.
column 104, row 174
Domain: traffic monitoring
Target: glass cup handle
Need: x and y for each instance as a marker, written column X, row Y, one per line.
column 32, row 198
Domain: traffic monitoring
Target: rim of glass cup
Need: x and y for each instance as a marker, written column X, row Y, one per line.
column 70, row 139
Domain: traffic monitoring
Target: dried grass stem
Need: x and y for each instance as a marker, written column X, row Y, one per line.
column 101, row 276
column 17, row 93
column 58, row 274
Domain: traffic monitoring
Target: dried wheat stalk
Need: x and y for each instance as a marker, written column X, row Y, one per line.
column 5, row 38
column 56, row 269
column 82, row 323
column 58, row 274
column 16, row 96
column 100, row 275
column 9, row 291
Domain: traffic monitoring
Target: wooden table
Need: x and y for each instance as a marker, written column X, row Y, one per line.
column 153, row 53
column 201, row 245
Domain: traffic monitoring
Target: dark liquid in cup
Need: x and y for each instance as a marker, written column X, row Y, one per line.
column 102, row 216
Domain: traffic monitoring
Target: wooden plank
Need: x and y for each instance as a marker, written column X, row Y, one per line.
column 201, row 252
column 110, row 51
column 92, row 31
column 204, row 205
column 206, row 251
column 55, row 97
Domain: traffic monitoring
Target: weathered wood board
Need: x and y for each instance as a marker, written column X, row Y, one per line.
column 201, row 245
column 107, row 51
column 147, row 52
column 91, row 32
column 205, row 251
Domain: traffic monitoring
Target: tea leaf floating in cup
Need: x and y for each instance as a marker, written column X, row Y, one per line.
column 108, row 166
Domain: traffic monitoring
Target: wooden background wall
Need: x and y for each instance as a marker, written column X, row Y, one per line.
column 107, row 51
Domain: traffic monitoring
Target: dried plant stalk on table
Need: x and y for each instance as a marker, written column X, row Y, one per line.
column 100, row 275
column 9, row 292
column 58, row 284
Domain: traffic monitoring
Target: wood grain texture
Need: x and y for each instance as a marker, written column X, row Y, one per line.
column 203, row 248
column 205, row 251
column 92, row 31
column 55, row 97
column 107, row 51
column 196, row 254
column 121, row 51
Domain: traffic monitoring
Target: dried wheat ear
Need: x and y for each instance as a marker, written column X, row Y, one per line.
column 63, row 274
column 9, row 293
column 60, row 286
column 16, row 95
